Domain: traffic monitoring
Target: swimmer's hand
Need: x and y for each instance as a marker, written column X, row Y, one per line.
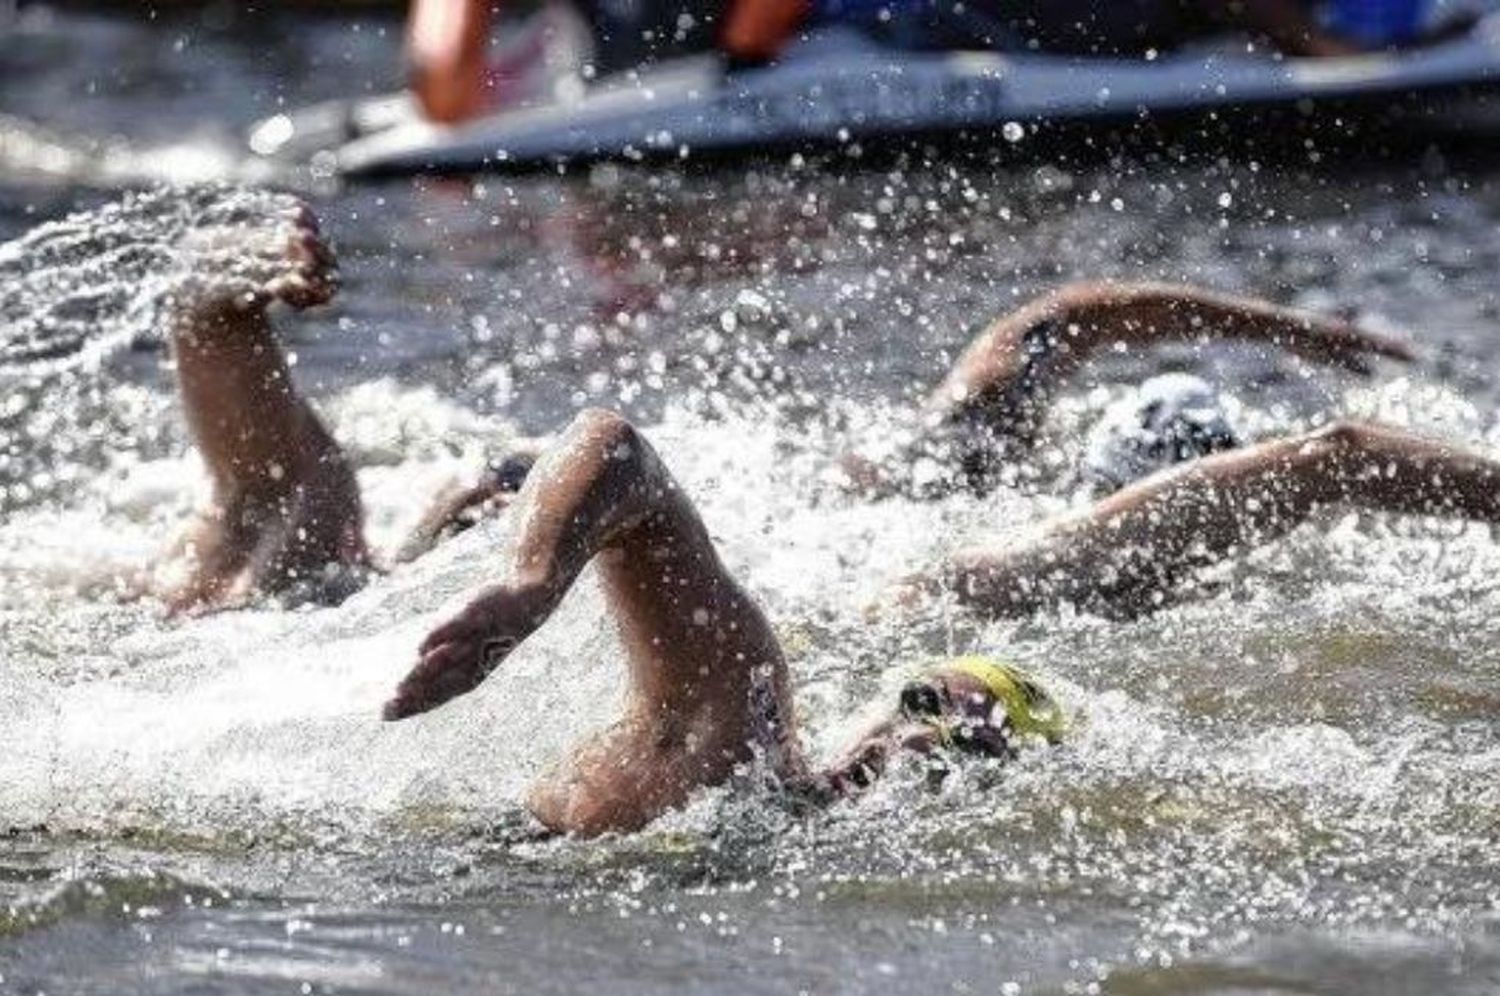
column 458, row 655
column 311, row 277
column 246, row 267
column 858, row 767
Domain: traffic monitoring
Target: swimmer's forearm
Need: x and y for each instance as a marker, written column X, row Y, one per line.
column 1131, row 549
column 1147, row 313
column 1010, row 371
column 601, row 480
column 256, row 435
column 242, row 409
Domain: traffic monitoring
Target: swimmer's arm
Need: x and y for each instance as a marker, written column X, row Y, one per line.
column 598, row 482
column 859, row 765
column 1129, row 552
column 690, row 631
column 1005, row 378
column 707, row 680
column 285, row 501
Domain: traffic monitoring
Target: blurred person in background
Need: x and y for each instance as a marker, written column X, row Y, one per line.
column 454, row 77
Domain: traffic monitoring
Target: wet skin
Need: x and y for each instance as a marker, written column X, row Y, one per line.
column 708, row 690
column 708, row 684
column 285, row 507
column 285, row 510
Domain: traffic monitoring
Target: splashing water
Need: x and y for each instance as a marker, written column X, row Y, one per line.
column 1287, row 784
column 1304, row 760
column 80, row 288
column 80, row 292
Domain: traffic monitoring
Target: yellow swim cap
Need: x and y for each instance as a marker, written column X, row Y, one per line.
column 1029, row 708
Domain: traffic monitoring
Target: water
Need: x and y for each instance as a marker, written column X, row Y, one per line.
column 1287, row 786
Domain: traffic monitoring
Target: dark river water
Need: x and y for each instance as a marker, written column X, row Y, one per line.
column 1289, row 785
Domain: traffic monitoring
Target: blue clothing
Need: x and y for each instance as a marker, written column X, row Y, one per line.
column 1083, row 27
column 1377, row 22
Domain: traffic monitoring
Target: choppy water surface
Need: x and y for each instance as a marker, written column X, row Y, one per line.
column 1289, row 786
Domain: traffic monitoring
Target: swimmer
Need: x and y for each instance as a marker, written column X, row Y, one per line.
column 284, row 515
column 708, row 689
column 453, row 78
column 988, row 411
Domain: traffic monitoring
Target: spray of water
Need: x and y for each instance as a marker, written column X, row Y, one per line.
column 1308, row 742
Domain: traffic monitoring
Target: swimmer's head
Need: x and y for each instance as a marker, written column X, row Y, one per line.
column 510, row 472
column 982, row 706
column 1169, row 419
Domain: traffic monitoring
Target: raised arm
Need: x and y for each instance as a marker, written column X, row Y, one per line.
column 708, row 685
column 285, row 509
column 1003, row 382
column 1128, row 553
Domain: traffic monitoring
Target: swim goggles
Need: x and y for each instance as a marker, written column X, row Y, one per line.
column 1029, row 710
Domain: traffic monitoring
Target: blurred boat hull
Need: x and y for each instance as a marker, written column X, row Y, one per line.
column 838, row 87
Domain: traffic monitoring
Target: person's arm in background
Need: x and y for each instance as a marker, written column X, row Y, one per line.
column 446, row 43
column 755, row 31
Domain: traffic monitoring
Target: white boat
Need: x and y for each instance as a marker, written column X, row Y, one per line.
column 838, row 86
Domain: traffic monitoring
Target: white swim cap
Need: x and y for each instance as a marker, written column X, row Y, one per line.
column 1169, row 419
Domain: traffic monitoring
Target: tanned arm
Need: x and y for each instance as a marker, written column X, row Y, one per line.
column 708, row 685
column 1006, row 377
column 285, row 507
column 1129, row 551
